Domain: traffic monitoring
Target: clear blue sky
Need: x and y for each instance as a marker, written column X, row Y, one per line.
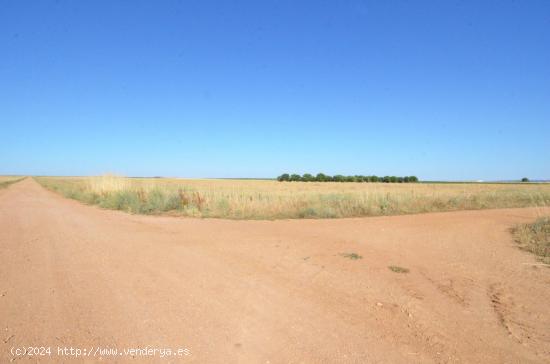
column 439, row 89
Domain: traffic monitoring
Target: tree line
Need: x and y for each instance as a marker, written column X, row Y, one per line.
column 321, row 177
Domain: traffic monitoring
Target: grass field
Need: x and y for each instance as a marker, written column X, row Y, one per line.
column 5, row 181
column 265, row 199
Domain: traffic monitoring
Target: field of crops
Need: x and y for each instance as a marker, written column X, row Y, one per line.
column 266, row 199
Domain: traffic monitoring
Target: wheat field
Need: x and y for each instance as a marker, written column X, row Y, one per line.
column 267, row 199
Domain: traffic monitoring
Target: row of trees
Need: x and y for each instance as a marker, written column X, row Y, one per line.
column 320, row 177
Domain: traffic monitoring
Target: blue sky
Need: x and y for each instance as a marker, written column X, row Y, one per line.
column 439, row 89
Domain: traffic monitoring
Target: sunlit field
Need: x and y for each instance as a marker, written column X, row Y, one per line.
column 5, row 181
column 266, row 199
column 8, row 178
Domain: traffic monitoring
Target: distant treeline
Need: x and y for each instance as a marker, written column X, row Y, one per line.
column 320, row 177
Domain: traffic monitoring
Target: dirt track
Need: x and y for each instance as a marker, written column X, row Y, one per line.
column 269, row 291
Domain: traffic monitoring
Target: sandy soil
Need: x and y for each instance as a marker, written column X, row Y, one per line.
column 268, row 291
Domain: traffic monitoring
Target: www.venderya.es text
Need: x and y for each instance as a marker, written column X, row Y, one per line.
column 96, row 351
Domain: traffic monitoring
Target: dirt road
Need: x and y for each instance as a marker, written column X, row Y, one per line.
column 268, row 291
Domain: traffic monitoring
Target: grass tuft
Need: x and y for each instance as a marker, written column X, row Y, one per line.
column 535, row 238
column 397, row 269
column 352, row 256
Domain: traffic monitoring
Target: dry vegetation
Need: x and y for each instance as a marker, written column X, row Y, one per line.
column 535, row 238
column 264, row 199
column 5, row 181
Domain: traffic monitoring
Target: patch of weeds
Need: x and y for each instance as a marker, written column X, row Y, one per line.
column 535, row 238
column 308, row 212
column 397, row 269
column 172, row 202
column 352, row 256
column 121, row 200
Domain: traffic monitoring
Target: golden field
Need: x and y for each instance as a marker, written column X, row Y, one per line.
column 5, row 181
column 8, row 178
column 267, row 199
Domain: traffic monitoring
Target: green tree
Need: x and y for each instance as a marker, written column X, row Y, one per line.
column 283, row 177
column 295, row 177
column 307, row 177
column 321, row 177
column 525, row 179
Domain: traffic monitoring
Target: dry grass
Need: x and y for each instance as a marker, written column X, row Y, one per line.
column 9, row 178
column 5, row 181
column 352, row 256
column 397, row 269
column 535, row 238
column 263, row 199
